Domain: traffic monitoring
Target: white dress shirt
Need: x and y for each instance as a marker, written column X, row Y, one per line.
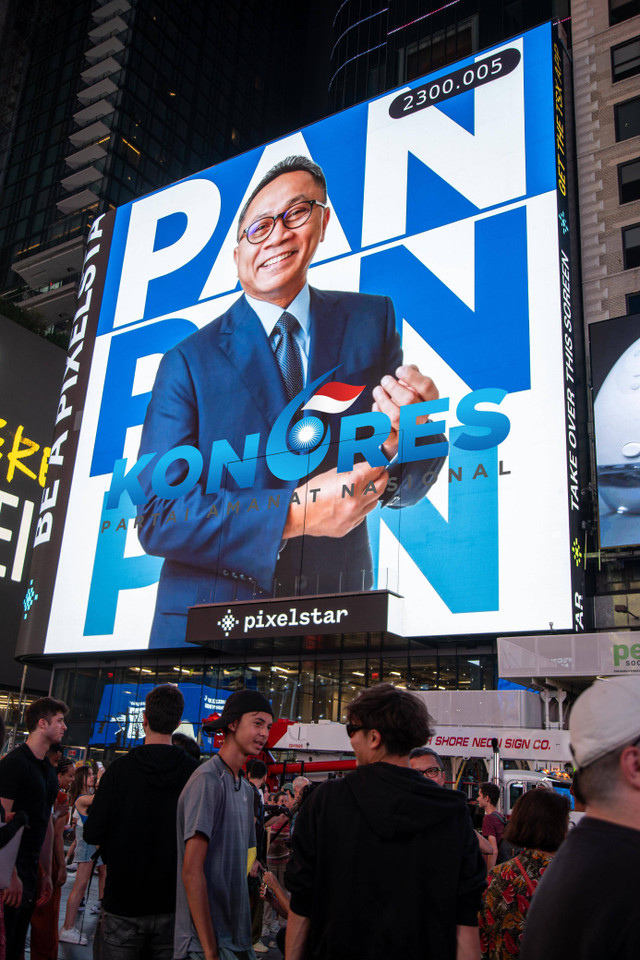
column 270, row 313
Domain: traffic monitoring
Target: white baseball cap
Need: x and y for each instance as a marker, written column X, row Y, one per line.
column 604, row 718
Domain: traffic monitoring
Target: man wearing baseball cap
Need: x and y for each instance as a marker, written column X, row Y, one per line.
column 216, row 833
column 588, row 903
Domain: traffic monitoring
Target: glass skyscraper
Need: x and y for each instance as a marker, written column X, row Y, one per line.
column 380, row 44
column 104, row 102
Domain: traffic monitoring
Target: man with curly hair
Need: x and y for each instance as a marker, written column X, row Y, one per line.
column 385, row 863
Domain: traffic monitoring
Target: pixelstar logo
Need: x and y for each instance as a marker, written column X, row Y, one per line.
column 296, row 447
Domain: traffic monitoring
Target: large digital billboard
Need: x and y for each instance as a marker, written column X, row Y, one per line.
column 408, row 421
column 30, row 376
column 615, row 371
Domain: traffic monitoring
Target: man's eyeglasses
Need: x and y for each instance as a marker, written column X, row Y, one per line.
column 294, row 217
column 431, row 772
column 352, row 728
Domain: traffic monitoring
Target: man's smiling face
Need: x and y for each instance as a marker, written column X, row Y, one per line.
column 276, row 269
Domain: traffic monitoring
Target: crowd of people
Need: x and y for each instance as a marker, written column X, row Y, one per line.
column 200, row 861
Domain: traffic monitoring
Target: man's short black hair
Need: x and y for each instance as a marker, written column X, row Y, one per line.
column 288, row 165
column 257, row 770
column 426, row 752
column 491, row 792
column 401, row 718
column 163, row 707
column 43, row 709
column 188, row 744
column 55, row 748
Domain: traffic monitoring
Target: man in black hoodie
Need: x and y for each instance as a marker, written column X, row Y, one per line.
column 385, row 863
column 133, row 819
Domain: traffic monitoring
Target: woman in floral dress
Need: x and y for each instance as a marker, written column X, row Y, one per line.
column 538, row 825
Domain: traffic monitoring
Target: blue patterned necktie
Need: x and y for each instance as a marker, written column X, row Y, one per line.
column 288, row 354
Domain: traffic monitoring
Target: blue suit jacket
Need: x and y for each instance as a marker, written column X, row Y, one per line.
column 223, row 382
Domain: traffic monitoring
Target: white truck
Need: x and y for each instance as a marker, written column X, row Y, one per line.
column 467, row 723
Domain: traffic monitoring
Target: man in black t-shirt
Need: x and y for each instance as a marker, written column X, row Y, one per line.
column 586, row 905
column 28, row 782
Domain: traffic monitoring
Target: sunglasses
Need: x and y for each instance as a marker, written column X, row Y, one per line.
column 352, row 728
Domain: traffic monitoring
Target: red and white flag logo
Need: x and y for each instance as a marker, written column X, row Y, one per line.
column 334, row 397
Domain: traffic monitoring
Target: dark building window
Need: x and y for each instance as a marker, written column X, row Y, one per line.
column 629, row 181
column 620, row 10
column 435, row 51
column 631, row 246
column 627, row 117
column 625, row 60
column 633, row 303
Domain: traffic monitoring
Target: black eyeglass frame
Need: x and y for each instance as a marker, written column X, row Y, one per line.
column 428, row 772
column 282, row 216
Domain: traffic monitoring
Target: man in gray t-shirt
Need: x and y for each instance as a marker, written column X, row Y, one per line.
column 216, row 833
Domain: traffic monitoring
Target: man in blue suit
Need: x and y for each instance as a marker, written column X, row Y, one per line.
column 233, row 378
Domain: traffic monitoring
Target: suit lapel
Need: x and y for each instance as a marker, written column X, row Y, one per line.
column 243, row 340
column 328, row 325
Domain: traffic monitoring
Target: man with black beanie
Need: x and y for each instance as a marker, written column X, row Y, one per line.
column 217, row 838
column 133, row 819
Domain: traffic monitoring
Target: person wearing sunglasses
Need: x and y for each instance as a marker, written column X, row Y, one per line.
column 231, row 380
column 385, row 863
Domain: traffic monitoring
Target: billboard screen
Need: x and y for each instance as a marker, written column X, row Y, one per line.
column 409, row 422
column 30, row 376
column 615, row 364
column 119, row 717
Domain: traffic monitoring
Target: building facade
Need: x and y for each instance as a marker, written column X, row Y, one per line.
column 313, row 681
column 312, row 677
column 126, row 136
column 606, row 50
column 606, row 56
column 378, row 46
column 106, row 101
